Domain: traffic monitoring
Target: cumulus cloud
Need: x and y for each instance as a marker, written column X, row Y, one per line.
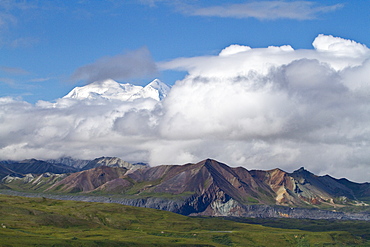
column 337, row 52
column 70, row 127
column 276, row 106
column 234, row 49
column 133, row 64
column 260, row 108
column 266, row 10
column 339, row 46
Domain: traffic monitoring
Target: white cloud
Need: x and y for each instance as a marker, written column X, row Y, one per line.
column 70, row 127
column 260, row 60
column 152, row 3
column 339, row 46
column 40, row 79
column 8, row 81
column 8, row 19
column 133, row 64
column 266, row 10
column 276, row 107
column 255, row 107
column 234, row 49
column 23, row 42
column 13, row 70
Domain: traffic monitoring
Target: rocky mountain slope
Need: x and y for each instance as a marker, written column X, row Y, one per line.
column 69, row 161
column 207, row 188
column 112, row 162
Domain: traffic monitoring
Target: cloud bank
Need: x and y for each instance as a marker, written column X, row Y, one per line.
column 260, row 108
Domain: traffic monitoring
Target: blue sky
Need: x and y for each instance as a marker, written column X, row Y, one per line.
column 42, row 43
column 259, row 84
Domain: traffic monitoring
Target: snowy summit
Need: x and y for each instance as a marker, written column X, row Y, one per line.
column 112, row 90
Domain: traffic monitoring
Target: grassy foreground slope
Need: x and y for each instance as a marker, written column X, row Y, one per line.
column 47, row 222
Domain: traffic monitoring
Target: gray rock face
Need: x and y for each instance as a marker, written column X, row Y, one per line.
column 111, row 162
column 69, row 161
column 230, row 208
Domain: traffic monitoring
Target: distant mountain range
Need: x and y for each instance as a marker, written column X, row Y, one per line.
column 205, row 188
column 60, row 166
column 112, row 90
column 20, row 168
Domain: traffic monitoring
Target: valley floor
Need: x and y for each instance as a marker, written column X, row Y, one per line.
column 47, row 222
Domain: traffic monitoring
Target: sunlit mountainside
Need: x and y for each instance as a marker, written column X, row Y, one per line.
column 205, row 188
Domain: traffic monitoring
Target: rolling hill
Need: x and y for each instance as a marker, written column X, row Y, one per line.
column 47, row 222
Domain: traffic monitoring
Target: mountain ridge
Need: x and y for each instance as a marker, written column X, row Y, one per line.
column 212, row 188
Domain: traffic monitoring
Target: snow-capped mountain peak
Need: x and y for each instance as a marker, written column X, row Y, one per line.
column 162, row 88
column 156, row 90
column 112, row 90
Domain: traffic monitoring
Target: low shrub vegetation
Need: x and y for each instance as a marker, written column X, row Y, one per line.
column 47, row 222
